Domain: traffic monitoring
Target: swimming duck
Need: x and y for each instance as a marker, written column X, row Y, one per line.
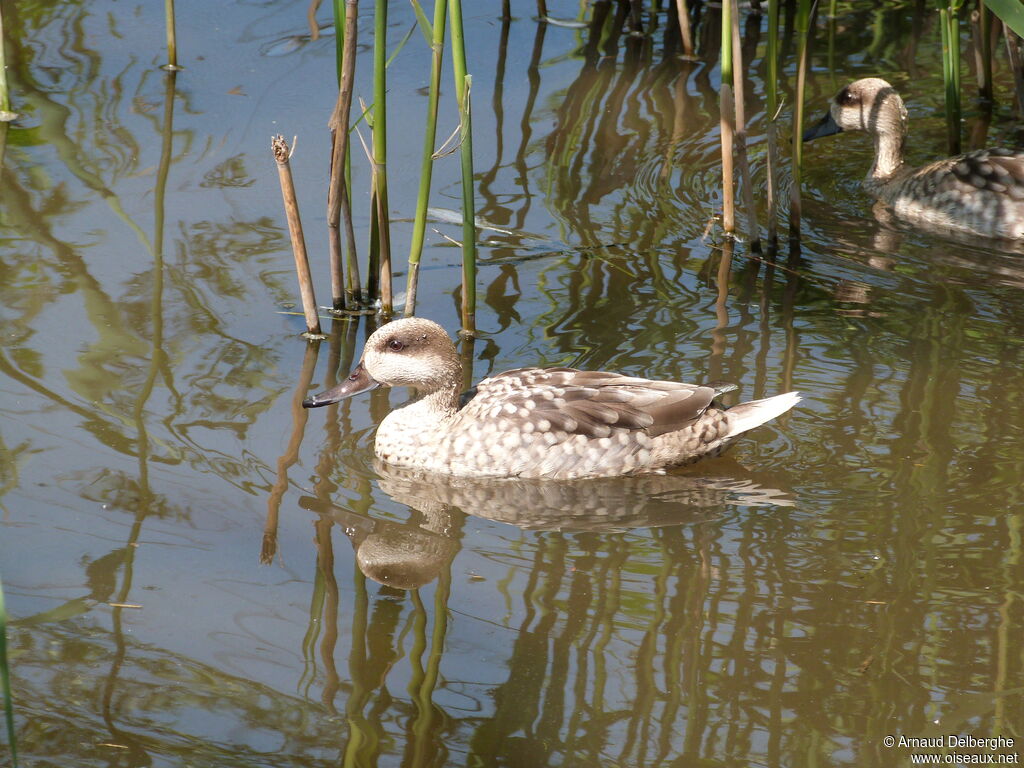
column 979, row 193
column 558, row 423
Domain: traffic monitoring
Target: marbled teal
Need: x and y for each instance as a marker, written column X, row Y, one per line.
column 558, row 423
column 978, row 193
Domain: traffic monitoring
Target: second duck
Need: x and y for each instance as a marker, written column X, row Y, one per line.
column 978, row 193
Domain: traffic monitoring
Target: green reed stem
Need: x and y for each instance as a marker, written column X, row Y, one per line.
column 803, row 17
column 5, row 682
column 339, row 37
column 5, row 99
column 463, row 83
column 726, row 111
column 172, row 37
column 753, row 229
column 949, row 24
column 771, row 88
column 427, row 164
column 380, row 150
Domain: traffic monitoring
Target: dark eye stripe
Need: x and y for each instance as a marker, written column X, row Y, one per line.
column 845, row 97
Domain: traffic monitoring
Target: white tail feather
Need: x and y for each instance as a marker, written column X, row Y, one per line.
column 746, row 416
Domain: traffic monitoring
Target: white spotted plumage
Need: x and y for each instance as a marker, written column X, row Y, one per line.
column 557, row 423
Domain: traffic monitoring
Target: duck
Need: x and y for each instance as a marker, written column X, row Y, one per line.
column 553, row 423
column 979, row 193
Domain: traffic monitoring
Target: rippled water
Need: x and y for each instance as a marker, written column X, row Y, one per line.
column 193, row 564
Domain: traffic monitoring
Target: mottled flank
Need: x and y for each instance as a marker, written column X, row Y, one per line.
column 979, row 193
column 557, row 423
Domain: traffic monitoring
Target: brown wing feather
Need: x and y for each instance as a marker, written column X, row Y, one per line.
column 591, row 403
column 1000, row 171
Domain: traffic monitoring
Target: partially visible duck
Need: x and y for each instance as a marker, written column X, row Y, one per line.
column 979, row 193
column 557, row 423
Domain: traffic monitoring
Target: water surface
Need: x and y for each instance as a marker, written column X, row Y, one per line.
column 193, row 565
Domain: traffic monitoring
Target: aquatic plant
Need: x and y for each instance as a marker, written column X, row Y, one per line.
column 463, row 86
column 282, row 154
column 803, row 34
column 172, row 37
column 949, row 26
column 339, row 204
column 344, row 290
column 434, row 34
column 380, row 154
column 772, row 109
column 753, row 233
column 5, row 682
column 726, row 116
column 5, row 100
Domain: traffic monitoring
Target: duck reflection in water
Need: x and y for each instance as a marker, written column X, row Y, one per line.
column 411, row 554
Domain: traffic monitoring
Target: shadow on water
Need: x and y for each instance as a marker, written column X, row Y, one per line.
column 170, row 517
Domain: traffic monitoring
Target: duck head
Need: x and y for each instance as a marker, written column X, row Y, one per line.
column 411, row 352
column 870, row 104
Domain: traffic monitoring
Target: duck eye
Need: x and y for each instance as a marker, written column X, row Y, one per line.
column 396, row 345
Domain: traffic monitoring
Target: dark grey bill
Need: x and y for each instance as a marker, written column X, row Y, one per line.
column 358, row 381
column 824, row 127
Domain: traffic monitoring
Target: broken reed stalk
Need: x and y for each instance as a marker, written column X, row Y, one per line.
column 380, row 150
column 949, row 23
column 427, row 164
column 726, row 111
column 463, row 85
column 772, row 105
column 685, row 33
column 172, row 38
column 753, row 229
column 339, row 206
column 803, row 15
column 291, row 209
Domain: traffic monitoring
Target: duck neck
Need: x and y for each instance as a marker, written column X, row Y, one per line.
column 442, row 402
column 888, row 155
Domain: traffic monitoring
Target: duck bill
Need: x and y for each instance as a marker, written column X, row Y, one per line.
column 824, row 127
column 358, row 381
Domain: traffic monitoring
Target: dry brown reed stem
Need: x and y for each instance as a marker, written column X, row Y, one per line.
column 981, row 31
column 753, row 229
column 338, row 202
column 291, row 209
column 683, row 16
